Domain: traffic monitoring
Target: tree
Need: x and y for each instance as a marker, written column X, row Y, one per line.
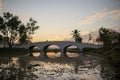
column 76, row 35
column 26, row 31
column 90, row 37
column 115, row 37
column 107, row 36
column 119, row 38
column 11, row 28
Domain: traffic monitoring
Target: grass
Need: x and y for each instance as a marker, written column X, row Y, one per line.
column 112, row 54
column 9, row 52
column 74, row 50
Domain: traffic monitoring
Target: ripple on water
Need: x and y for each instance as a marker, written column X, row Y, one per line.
column 64, row 71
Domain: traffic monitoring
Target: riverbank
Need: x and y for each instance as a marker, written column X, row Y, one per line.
column 10, row 52
column 112, row 54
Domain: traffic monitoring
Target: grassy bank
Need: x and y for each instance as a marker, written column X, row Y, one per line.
column 67, row 50
column 112, row 54
column 12, row 52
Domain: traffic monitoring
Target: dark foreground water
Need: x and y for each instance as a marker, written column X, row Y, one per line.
column 86, row 67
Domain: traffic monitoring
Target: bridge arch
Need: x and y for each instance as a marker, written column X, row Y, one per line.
column 31, row 47
column 72, row 49
column 34, row 51
column 51, row 51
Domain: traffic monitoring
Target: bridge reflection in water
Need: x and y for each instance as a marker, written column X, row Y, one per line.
column 53, row 51
column 54, row 55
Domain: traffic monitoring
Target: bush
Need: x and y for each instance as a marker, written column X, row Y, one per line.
column 87, row 49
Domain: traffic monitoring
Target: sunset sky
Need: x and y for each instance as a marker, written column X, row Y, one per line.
column 57, row 18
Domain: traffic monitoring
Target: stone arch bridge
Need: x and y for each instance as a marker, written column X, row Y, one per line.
column 61, row 44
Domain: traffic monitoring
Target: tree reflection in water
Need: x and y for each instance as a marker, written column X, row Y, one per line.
column 14, row 69
column 29, row 68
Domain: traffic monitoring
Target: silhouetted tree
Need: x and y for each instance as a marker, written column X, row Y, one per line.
column 76, row 35
column 105, row 36
column 26, row 31
column 119, row 38
column 108, row 36
column 90, row 37
column 10, row 28
column 116, row 36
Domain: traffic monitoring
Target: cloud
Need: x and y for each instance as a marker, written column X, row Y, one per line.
column 0, row 5
column 104, row 14
column 117, row 16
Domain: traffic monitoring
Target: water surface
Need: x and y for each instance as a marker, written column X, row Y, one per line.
column 75, row 67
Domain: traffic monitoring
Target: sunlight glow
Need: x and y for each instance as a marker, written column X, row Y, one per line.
column 57, row 18
column 36, row 54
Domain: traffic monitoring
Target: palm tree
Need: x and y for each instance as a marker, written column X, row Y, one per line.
column 76, row 35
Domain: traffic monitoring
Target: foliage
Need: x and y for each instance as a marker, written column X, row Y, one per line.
column 26, row 31
column 12, row 29
column 112, row 54
column 119, row 38
column 107, row 36
column 9, row 25
column 76, row 35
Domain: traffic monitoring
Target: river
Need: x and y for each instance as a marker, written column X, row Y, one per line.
column 83, row 67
